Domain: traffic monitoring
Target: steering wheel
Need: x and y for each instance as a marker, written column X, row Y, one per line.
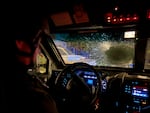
column 77, row 85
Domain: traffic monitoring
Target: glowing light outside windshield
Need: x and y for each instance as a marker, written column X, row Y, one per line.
column 110, row 49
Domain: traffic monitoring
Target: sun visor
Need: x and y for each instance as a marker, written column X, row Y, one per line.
column 61, row 19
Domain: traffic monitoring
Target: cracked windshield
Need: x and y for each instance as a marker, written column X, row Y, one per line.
column 112, row 49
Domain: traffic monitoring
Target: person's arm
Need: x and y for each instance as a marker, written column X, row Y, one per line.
column 40, row 98
column 48, row 105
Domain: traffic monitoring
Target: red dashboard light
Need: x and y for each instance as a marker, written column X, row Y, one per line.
column 121, row 19
column 128, row 18
column 108, row 21
column 135, row 17
column 108, row 17
column 114, row 19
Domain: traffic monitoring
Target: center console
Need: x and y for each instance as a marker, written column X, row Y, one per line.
column 135, row 96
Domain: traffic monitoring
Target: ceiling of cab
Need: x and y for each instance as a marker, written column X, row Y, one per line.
column 79, row 13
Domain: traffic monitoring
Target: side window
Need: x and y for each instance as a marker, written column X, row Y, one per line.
column 42, row 64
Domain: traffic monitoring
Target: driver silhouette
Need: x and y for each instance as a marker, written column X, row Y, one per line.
column 25, row 93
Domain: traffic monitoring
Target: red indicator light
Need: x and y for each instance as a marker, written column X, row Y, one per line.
column 114, row 20
column 108, row 21
column 135, row 17
column 121, row 19
column 127, row 18
column 108, row 17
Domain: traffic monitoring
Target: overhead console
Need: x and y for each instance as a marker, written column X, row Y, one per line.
column 97, row 13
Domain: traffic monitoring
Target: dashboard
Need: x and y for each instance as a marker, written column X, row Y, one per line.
column 137, row 91
column 121, row 92
column 127, row 93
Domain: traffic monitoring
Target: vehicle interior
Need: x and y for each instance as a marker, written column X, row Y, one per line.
column 95, row 57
